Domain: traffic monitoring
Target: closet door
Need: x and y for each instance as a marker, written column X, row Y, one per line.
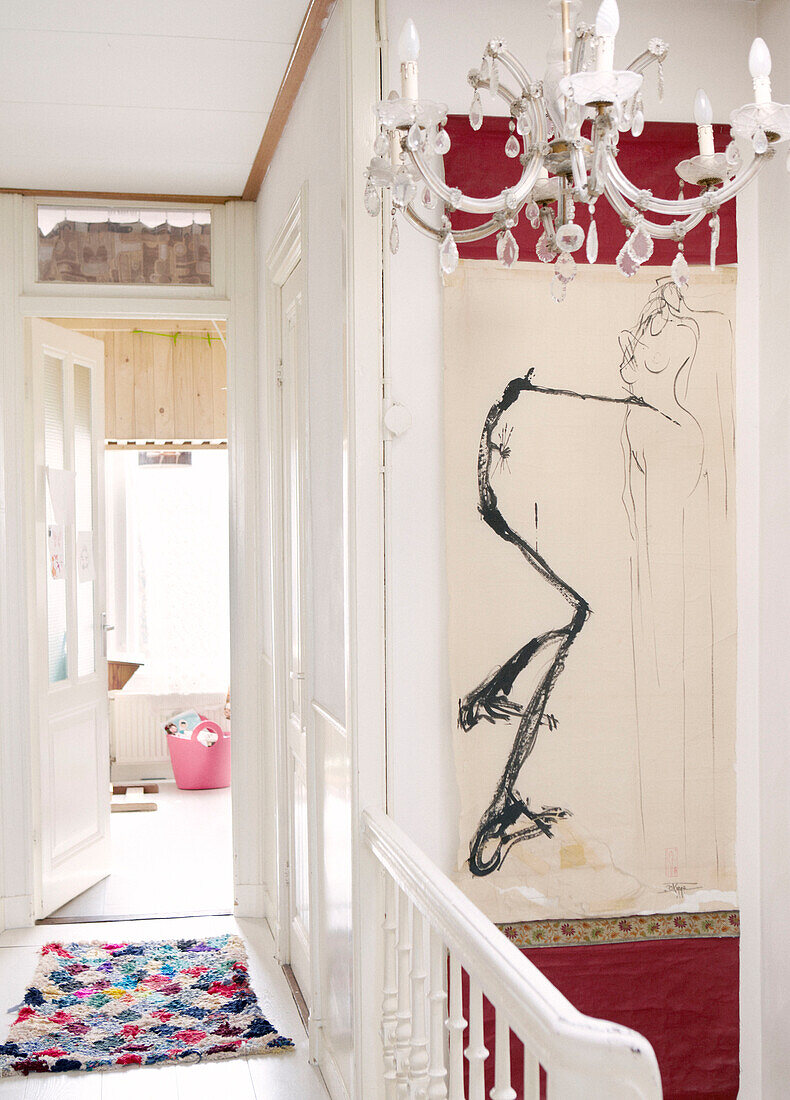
column 294, row 526
column 71, row 755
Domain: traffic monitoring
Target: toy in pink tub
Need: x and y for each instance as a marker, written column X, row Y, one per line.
column 198, row 766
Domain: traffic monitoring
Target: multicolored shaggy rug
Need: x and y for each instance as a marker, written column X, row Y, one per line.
column 102, row 1005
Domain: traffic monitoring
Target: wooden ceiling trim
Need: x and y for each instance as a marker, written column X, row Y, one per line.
column 114, row 196
column 313, row 25
column 133, row 324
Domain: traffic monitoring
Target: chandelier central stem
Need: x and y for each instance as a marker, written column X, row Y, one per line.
column 566, row 37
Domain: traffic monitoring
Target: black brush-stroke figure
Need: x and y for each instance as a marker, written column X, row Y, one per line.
column 509, row 817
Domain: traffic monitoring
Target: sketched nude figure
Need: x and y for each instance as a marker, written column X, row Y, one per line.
column 509, row 817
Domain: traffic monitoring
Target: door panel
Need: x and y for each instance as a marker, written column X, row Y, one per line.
column 68, row 658
column 293, row 437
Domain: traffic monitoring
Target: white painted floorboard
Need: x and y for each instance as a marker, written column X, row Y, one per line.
column 177, row 859
column 286, row 1076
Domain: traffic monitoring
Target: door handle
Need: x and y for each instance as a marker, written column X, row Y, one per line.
column 297, row 675
column 105, row 628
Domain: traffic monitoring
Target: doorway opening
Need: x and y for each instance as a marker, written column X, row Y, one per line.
column 151, row 558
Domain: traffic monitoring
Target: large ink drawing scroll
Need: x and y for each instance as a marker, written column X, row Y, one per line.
column 590, row 510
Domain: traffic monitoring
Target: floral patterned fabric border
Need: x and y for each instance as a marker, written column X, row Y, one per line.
column 656, row 926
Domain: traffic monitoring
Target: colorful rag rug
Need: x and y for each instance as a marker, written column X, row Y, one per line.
column 96, row 1006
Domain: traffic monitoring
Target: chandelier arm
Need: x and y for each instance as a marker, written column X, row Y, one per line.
column 580, row 178
column 678, row 207
column 745, row 176
column 515, row 68
column 644, row 61
column 517, row 195
column 536, row 106
column 462, row 236
column 630, row 215
column 584, row 35
column 503, row 92
column 597, row 175
column 547, row 221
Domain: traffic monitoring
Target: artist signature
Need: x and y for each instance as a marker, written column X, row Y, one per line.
column 679, row 888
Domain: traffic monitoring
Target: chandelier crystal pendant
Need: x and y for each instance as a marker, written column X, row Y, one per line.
column 565, row 131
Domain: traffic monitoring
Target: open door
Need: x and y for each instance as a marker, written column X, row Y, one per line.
column 68, row 661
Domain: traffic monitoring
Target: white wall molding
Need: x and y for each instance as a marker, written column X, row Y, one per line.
column 247, row 756
column 323, row 715
column 286, row 251
column 249, row 900
column 330, row 1069
column 18, row 911
column 16, row 845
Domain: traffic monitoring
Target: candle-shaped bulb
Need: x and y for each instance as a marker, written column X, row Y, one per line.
column 409, row 42
column 607, row 21
column 703, row 111
column 703, row 115
column 760, row 68
column 759, row 59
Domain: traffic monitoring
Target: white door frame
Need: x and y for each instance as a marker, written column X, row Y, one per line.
column 289, row 249
column 232, row 298
column 365, row 377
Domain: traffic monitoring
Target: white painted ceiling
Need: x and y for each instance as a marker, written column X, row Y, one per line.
column 161, row 96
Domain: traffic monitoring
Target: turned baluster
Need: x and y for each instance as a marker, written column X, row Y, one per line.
column 476, row 1052
column 456, row 1025
column 389, row 1002
column 437, row 1070
column 531, row 1075
column 403, row 1024
column 418, row 1062
column 502, row 1090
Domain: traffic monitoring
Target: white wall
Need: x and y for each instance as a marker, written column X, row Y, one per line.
column 774, row 533
column 312, row 151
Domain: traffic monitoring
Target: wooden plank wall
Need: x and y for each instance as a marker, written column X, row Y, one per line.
column 156, row 388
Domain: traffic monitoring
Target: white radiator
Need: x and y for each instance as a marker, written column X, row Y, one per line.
column 138, row 742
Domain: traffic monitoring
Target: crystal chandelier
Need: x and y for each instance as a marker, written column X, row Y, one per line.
column 565, row 131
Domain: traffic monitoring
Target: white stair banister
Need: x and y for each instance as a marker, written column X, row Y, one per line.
column 584, row 1058
column 531, row 1076
column 476, row 1052
column 389, row 998
column 437, row 1069
column 419, row 1033
column 456, row 1025
column 502, row 1090
column 403, row 1024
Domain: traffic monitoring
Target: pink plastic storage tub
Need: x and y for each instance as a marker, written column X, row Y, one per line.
column 197, row 768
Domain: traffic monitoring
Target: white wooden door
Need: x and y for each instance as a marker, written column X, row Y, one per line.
column 294, row 363
column 71, row 754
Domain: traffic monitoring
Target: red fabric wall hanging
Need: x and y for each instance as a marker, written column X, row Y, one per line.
column 682, row 995
column 477, row 164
